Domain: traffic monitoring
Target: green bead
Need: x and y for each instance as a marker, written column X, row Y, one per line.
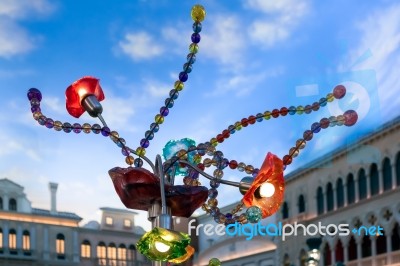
column 254, row 214
column 214, row 262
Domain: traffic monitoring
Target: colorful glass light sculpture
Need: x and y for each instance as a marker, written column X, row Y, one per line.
column 78, row 91
column 173, row 147
column 259, row 194
column 164, row 245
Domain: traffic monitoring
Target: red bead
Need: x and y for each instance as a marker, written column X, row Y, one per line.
column 201, row 166
column 287, row 160
column 307, row 109
column 252, row 119
column 350, row 117
column 220, row 138
column 308, row 135
column 339, row 91
column 275, row 113
column 226, row 133
column 244, row 122
column 324, row 122
column 315, row 106
column 233, row 164
column 284, row 111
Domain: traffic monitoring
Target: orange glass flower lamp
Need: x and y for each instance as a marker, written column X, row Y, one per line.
column 153, row 189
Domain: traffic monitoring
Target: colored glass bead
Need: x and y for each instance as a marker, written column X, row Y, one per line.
column 267, row 115
column 37, row 115
column 244, row 122
column 164, row 111
column 253, row 214
column 287, row 159
column 212, row 193
column 233, row 164
column 96, row 128
column 218, row 173
column 42, row 120
column 340, row 120
column 249, row 169
column 178, row 85
column 114, row 136
column 35, row 102
column 191, row 58
column 212, row 202
column 57, row 126
column 339, row 91
column 183, row 76
column 332, row 121
column 220, row 138
column 251, row 119
column 144, row 143
column 284, row 111
column 120, row 142
column 255, row 172
column 159, row 119
column 169, row 102
column 198, row 13
column 259, row 117
column 197, row 27
column 308, row 135
column 214, row 142
column 293, row 152
column 138, row 162
column 300, row 144
column 34, row 93
column 351, row 117
column 187, row 68
column 214, row 211
column 49, row 123
column 193, row 48
column 300, row 110
column 323, row 102
column 221, row 218
column 174, row 94
column 67, row 127
column 275, row 113
column 241, row 167
column 35, row 109
column 149, row 135
column 226, row 133
column 315, row 127
column 210, row 150
column 105, row 131
column 129, row 159
column 315, row 106
column 154, row 127
column 242, row 218
column 214, row 184
column 238, row 126
column 207, row 162
column 330, row 97
column 125, row 151
column 324, row 122
column 231, row 129
column 77, row 128
column 307, row 109
column 292, row 110
column 86, row 128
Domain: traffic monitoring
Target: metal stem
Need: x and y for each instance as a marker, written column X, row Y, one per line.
column 160, row 173
column 102, row 120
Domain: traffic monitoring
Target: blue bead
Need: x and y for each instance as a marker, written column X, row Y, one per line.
column 77, row 128
column 232, row 129
column 67, row 127
column 212, row 193
column 315, row 127
column 138, row 162
column 174, row 94
column 195, row 38
column 164, row 111
column 96, row 128
column 149, row 135
column 259, row 117
column 121, row 142
column 169, row 102
column 105, row 131
column 191, row 58
column 49, row 123
column 154, row 127
column 144, row 143
column 183, row 76
column 187, row 68
column 292, row 110
column 197, row 27
column 214, row 184
column 323, row 102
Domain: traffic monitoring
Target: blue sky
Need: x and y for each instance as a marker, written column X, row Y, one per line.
column 255, row 55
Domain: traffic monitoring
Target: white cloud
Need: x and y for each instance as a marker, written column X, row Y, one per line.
column 139, row 46
column 14, row 38
column 278, row 21
column 380, row 33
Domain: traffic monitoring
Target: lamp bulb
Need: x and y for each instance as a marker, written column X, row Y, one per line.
column 267, row 190
column 161, row 247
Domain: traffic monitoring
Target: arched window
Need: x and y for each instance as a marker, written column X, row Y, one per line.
column 101, row 253
column 122, row 253
column 60, row 246
column 398, row 169
column 303, row 258
column 374, row 179
column 352, row 249
column 396, row 237
column 12, row 205
column 112, row 254
column 1, row 203
column 381, row 244
column 362, row 184
column 26, row 242
column 286, row 260
column 320, row 201
column 339, row 193
column 12, row 241
column 131, row 253
column 329, row 197
column 387, row 175
column 366, row 247
column 285, row 210
column 85, row 249
column 339, row 252
column 302, row 204
column 351, row 189
column 327, row 255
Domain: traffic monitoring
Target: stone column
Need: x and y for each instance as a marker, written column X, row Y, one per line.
column 75, row 246
column 19, row 237
column 33, row 238
column 359, row 250
column 394, row 183
column 380, row 177
column 388, row 236
column 357, row 192
column 334, row 189
column 368, row 177
column 5, row 204
column 373, row 250
column 346, row 252
column 46, row 251
column 5, row 237
column 324, row 199
column 345, row 194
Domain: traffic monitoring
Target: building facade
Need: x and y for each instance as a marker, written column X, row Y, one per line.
column 31, row 236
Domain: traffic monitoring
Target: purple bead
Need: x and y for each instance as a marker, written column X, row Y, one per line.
column 164, row 111
column 350, row 117
column 49, row 123
column 144, row 143
column 34, row 94
column 308, row 135
column 228, row 216
column 125, row 151
column 324, row 122
column 183, row 76
column 77, row 128
column 255, row 172
column 35, row 102
column 196, row 38
column 105, row 131
column 315, row 127
column 212, row 193
column 35, row 109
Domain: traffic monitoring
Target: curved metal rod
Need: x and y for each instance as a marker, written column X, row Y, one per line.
column 210, row 177
column 159, row 172
column 144, row 157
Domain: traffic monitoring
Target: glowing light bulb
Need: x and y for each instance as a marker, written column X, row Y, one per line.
column 161, row 247
column 267, row 190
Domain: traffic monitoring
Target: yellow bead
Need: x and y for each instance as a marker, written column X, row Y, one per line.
column 238, row 126
column 198, row 13
column 182, row 154
column 140, row 151
column 193, row 48
column 330, row 97
column 214, row 142
column 267, row 115
column 114, row 135
column 212, row 202
column 129, row 160
column 197, row 158
column 178, row 85
column 159, row 119
column 37, row 115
